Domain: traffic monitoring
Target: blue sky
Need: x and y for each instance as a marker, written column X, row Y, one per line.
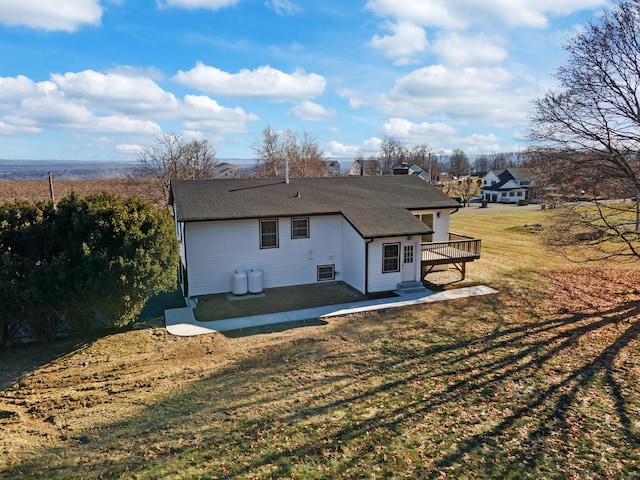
column 99, row 79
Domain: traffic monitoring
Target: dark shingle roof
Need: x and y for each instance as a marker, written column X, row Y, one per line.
column 375, row 206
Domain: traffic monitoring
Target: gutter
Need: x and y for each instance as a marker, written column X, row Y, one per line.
column 366, row 265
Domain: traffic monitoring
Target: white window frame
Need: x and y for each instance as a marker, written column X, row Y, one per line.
column 295, row 235
column 387, row 258
column 264, row 235
column 407, row 254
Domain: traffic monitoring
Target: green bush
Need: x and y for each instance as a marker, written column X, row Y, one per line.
column 85, row 258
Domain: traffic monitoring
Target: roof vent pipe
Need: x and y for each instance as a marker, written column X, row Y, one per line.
column 286, row 170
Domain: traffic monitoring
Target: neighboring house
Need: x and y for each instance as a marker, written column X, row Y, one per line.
column 512, row 185
column 413, row 169
column 333, row 168
column 372, row 233
column 365, row 167
column 226, row 170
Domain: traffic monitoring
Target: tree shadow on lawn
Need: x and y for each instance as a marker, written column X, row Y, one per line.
column 19, row 359
column 552, row 398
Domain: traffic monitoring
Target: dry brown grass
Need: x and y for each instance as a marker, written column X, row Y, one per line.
column 539, row 381
column 38, row 190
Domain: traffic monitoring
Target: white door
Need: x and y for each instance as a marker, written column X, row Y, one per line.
column 408, row 263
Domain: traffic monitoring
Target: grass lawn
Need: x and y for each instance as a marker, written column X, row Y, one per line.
column 539, row 381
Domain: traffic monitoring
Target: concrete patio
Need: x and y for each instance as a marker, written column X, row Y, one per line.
column 182, row 321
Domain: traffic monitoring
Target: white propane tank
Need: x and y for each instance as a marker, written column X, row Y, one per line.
column 239, row 283
column 256, row 281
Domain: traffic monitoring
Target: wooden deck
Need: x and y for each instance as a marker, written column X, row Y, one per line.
column 458, row 251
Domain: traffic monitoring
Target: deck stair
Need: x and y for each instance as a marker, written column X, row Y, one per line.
column 410, row 287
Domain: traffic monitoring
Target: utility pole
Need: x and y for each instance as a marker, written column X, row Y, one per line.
column 53, row 198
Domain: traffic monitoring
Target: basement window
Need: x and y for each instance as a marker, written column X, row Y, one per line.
column 326, row 272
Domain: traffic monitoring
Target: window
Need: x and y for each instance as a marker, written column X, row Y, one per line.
column 408, row 254
column 268, row 233
column 390, row 257
column 299, row 228
column 326, row 272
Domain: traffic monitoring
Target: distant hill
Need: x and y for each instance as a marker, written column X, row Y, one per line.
column 67, row 170
column 82, row 169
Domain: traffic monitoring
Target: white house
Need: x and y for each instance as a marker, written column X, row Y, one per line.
column 512, row 185
column 365, row 167
column 369, row 232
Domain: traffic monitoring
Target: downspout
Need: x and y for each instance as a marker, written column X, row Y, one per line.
column 366, row 266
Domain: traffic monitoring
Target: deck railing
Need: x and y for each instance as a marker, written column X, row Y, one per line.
column 458, row 248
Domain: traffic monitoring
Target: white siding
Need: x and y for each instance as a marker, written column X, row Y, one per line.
column 216, row 249
column 353, row 246
column 491, row 178
column 441, row 223
column 378, row 281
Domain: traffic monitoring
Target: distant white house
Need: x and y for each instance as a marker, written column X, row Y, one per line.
column 226, row 170
column 365, row 167
column 512, row 185
column 372, row 233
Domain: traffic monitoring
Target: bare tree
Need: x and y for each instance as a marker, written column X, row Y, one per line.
column 301, row 151
column 173, row 157
column 391, row 153
column 306, row 157
column 594, row 121
column 270, row 155
column 459, row 163
column 464, row 190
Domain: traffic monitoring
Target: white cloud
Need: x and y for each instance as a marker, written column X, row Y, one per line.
column 115, row 92
column 415, row 132
column 53, row 110
column 13, row 89
column 66, row 15
column 457, row 50
column 356, row 98
column 12, row 129
column 129, row 148
column 283, row 7
column 312, row 112
column 372, row 144
column 407, row 39
column 196, row 4
column 456, row 14
column 108, row 103
column 205, row 114
column 337, row 149
column 466, row 94
column 264, row 82
column 478, row 143
column 123, row 124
